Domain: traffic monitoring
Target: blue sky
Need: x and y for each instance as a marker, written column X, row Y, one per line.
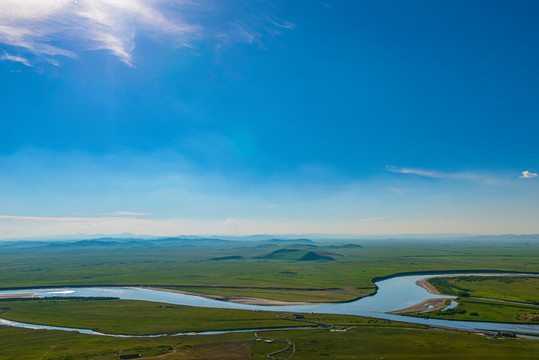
column 242, row 117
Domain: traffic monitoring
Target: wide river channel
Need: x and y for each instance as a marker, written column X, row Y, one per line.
column 393, row 294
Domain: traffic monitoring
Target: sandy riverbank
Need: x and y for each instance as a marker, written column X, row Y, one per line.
column 438, row 304
column 234, row 299
column 428, row 286
column 429, row 304
column 18, row 296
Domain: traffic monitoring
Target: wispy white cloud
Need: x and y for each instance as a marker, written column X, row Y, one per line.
column 50, row 28
column 443, row 175
column 43, row 26
column 239, row 32
column 15, row 58
column 528, row 175
column 420, row 172
column 284, row 24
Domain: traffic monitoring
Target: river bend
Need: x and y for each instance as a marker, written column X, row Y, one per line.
column 393, row 294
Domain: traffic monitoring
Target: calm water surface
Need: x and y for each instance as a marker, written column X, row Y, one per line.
column 393, row 294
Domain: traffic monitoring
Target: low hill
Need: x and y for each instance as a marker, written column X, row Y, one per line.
column 296, row 255
column 345, row 246
column 283, row 254
column 233, row 257
column 314, row 256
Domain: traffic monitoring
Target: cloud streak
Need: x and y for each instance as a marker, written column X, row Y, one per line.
column 442, row 175
column 46, row 29
column 15, row 58
column 283, row 25
column 42, row 26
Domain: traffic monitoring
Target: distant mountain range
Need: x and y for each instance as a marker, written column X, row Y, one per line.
column 163, row 242
column 281, row 239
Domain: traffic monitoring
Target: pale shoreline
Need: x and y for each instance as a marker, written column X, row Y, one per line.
column 19, row 296
column 437, row 304
column 428, row 286
column 267, row 302
column 233, row 299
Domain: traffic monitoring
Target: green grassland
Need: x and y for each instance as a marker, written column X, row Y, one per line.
column 259, row 269
column 26, row 344
column 357, row 343
column 509, row 288
column 133, row 317
column 489, row 311
column 386, row 343
column 255, row 269
column 512, row 288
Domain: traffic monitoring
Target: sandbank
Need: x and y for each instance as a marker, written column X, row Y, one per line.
column 234, row 299
column 18, row 296
column 426, row 305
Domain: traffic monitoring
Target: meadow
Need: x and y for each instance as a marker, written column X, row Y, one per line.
column 133, row 317
column 511, row 288
column 293, row 270
column 256, row 269
column 387, row 343
column 373, row 342
column 488, row 311
column 475, row 291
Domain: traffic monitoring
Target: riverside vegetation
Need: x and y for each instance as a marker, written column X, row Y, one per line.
column 271, row 269
column 362, row 342
column 363, row 338
column 289, row 270
column 509, row 299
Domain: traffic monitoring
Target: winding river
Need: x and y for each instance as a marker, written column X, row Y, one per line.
column 393, row 294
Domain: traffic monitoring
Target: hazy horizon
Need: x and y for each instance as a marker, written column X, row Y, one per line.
column 310, row 236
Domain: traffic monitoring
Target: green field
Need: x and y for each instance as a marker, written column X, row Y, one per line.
column 357, row 343
column 485, row 310
column 383, row 343
column 294, row 271
column 257, row 270
column 134, row 317
column 511, row 288
column 140, row 317
column 365, row 338
column 26, row 344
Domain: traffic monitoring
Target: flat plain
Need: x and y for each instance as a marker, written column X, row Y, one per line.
column 369, row 342
column 289, row 270
column 266, row 269
column 523, row 289
column 509, row 299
